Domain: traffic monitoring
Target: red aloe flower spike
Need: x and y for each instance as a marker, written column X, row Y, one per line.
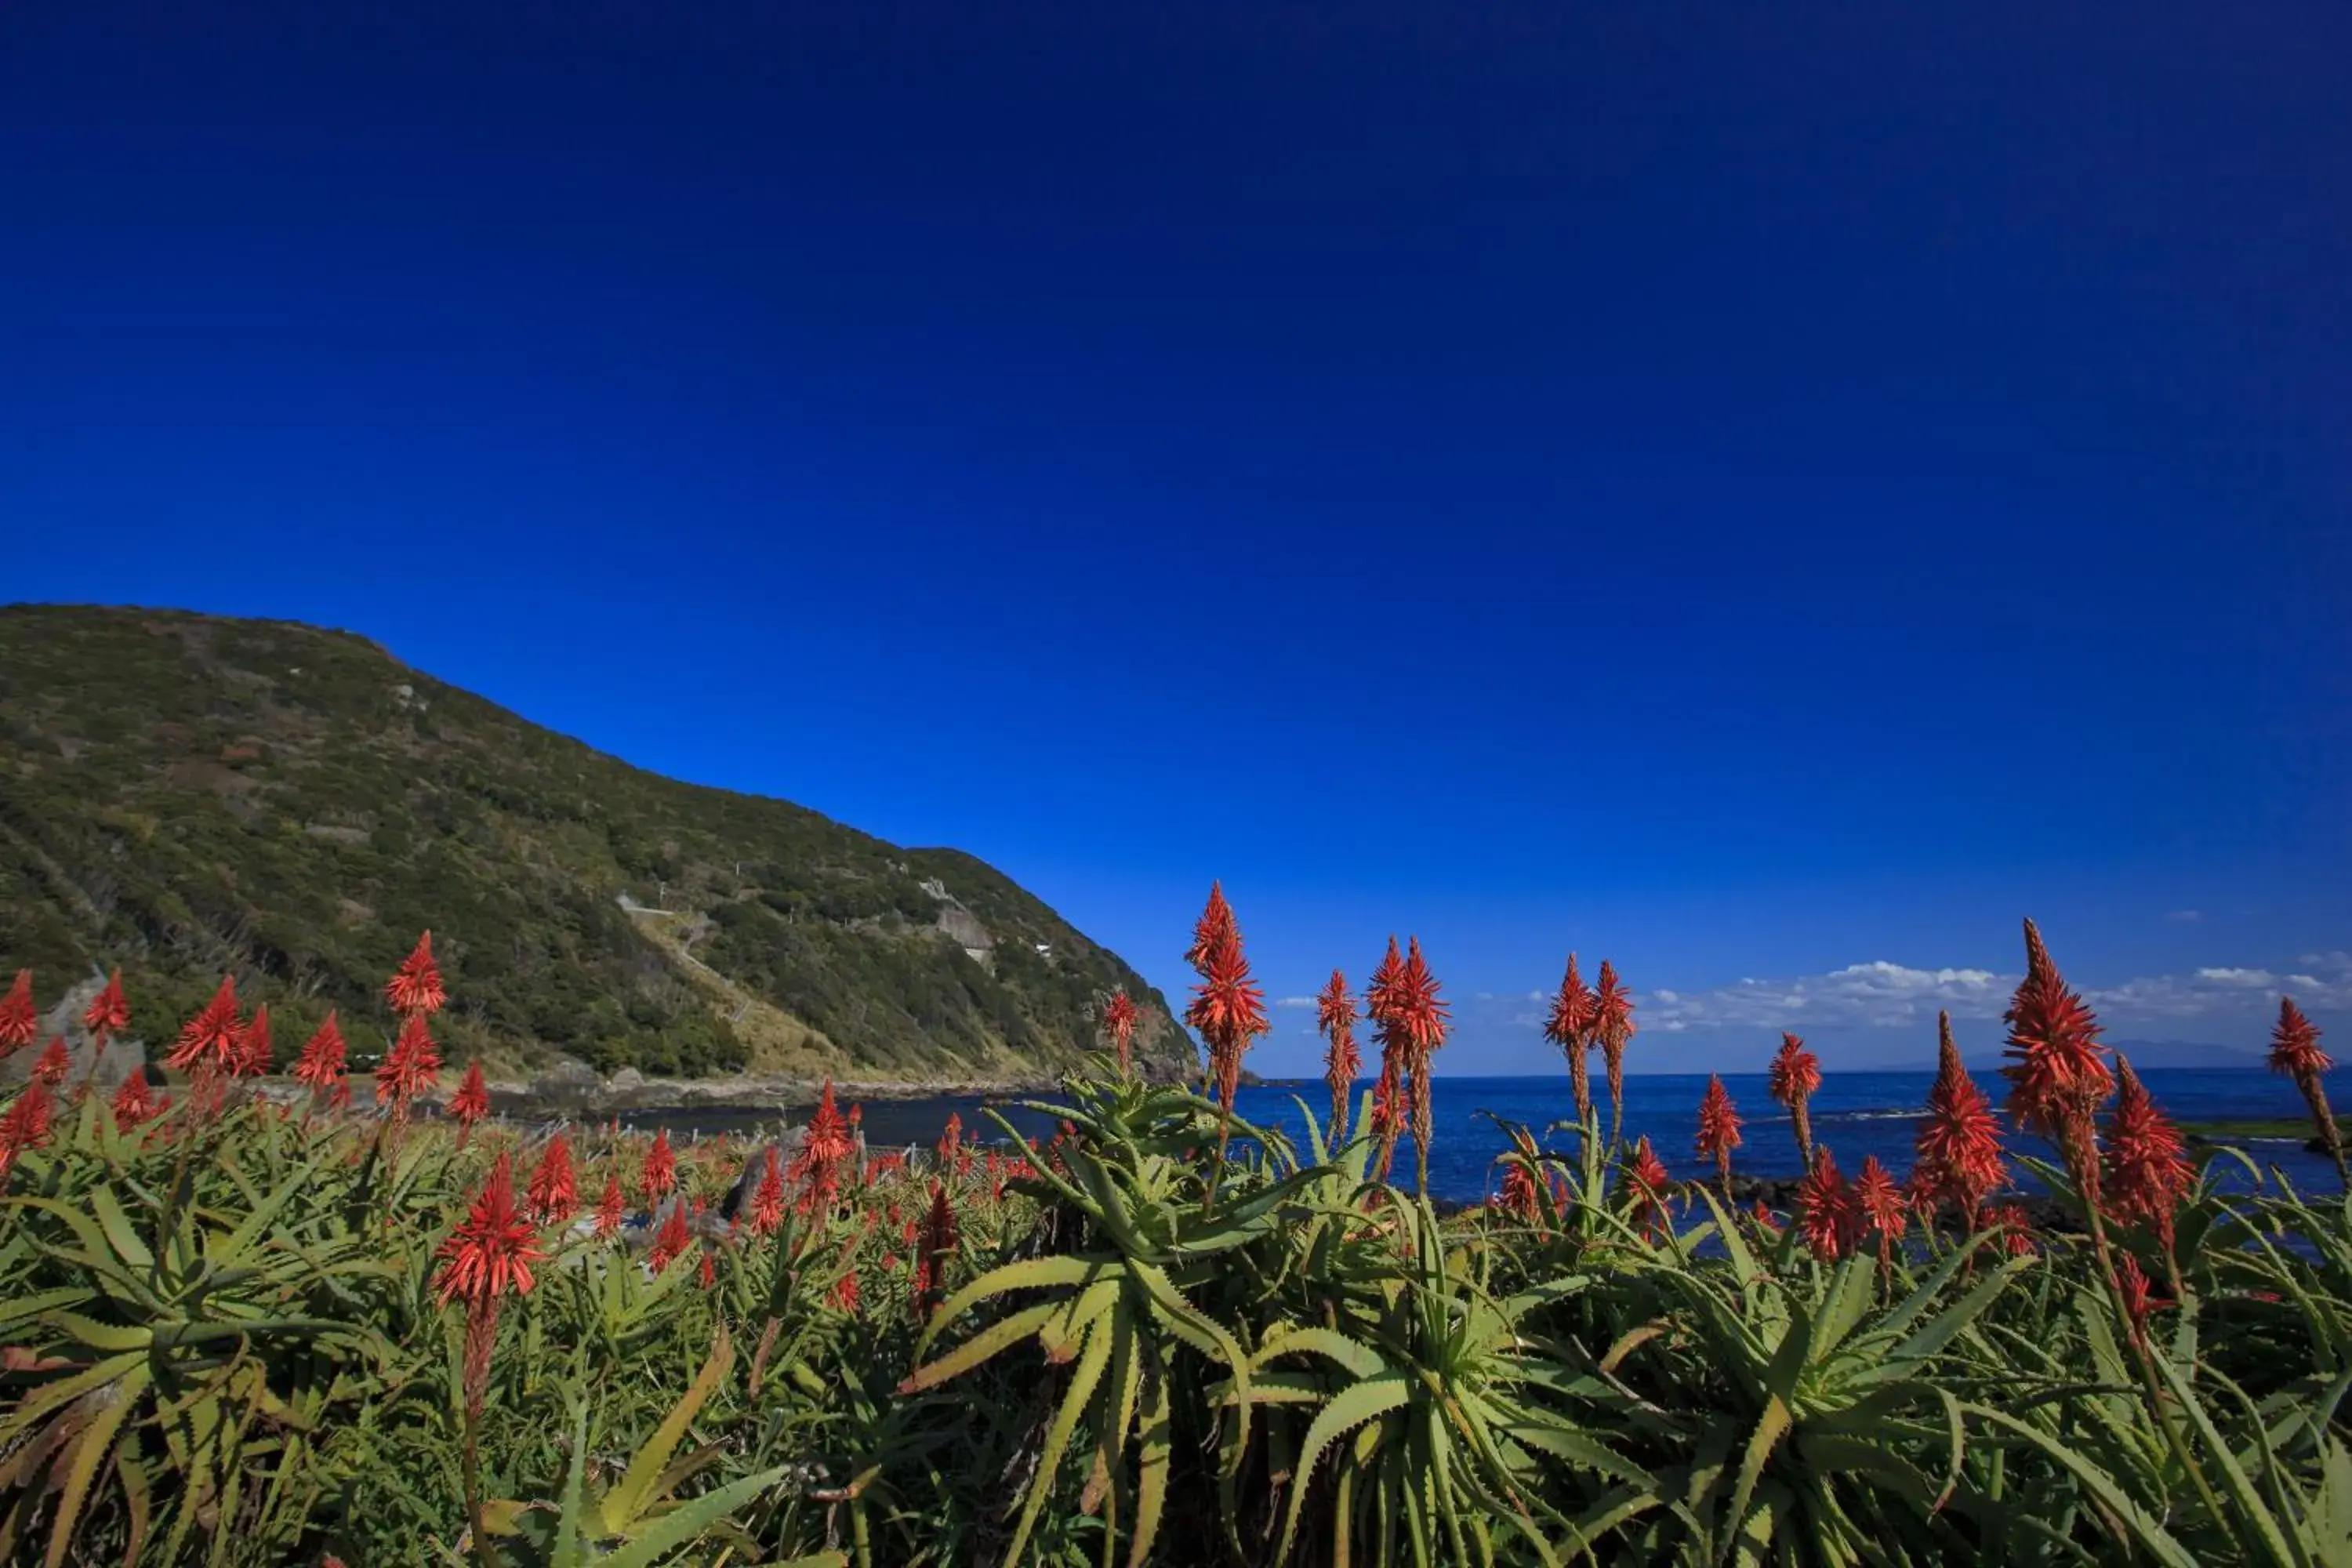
column 1643, row 1179
column 1880, row 1204
column 487, row 1259
column 2295, row 1051
column 319, row 1067
column 18, row 1020
column 951, row 1142
column 1215, row 924
column 658, row 1176
column 768, row 1198
column 254, row 1050
column 1390, row 1093
column 25, row 1125
column 1569, row 1027
column 554, row 1190
column 1958, row 1144
column 1420, row 1019
column 828, row 1146
column 610, row 1206
column 1719, row 1131
column 2015, row 1225
column 132, row 1102
column 2140, row 1299
column 1335, row 1016
column 2147, row 1173
column 939, row 1245
column 210, row 1041
column 1613, row 1026
column 1828, row 1215
column 672, row 1239
column 2059, row 1073
column 107, row 1013
column 1521, row 1195
column 54, row 1064
column 844, row 1290
column 470, row 1103
column 415, row 986
column 1119, row 1016
column 410, row 1069
column 1795, row 1073
column 1228, row 1007
column 490, row 1254
column 709, row 1272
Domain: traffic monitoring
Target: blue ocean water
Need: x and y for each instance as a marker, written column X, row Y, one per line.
column 1855, row 1113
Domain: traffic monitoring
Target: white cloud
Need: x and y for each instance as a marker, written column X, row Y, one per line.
column 1294, row 1001
column 2186, row 917
column 1880, row 993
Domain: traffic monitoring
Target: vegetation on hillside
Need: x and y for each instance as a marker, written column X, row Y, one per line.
column 185, row 794
column 240, row 1334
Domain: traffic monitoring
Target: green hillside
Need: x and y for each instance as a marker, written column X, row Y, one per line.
column 186, row 794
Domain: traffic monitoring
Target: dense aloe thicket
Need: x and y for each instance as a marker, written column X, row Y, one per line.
column 225, row 1346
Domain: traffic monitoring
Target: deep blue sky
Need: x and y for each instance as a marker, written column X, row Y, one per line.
column 1752, row 491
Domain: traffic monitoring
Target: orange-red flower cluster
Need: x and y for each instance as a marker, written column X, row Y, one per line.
column 489, row 1254
column 2140, row 1299
column 1828, row 1215
column 1228, row 1007
column 410, row 1069
column 1718, row 1130
column 611, row 1205
column 1612, row 1026
column 107, row 1013
column 1391, row 1095
column 25, row 1125
column 657, row 1177
column 1795, row 1073
column 1642, row 1179
column 415, row 986
column 254, row 1050
column 2295, row 1044
column 18, row 1021
column 2295, row 1051
column 827, row 1148
column 554, row 1190
column 2147, row 1170
column 2058, row 1073
column 1416, row 1019
column 135, row 1102
column 470, row 1103
column 768, row 1197
column 210, row 1042
column 1569, row 1026
column 320, row 1067
column 1881, row 1204
column 1959, row 1160
column 2016, row 1227
column 939, row 1244
column 1335, row 1016
column 55, row 1063
column 673, row 1237
column 1119, row 1018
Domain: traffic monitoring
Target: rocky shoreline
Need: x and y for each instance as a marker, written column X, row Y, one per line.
column 580, row 1092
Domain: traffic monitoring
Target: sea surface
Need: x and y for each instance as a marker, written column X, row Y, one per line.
column 1856, row 1114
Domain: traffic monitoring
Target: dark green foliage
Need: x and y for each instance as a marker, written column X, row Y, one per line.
column 186, row 795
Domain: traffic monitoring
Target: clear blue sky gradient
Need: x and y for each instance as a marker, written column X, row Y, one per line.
column 1751, row 492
